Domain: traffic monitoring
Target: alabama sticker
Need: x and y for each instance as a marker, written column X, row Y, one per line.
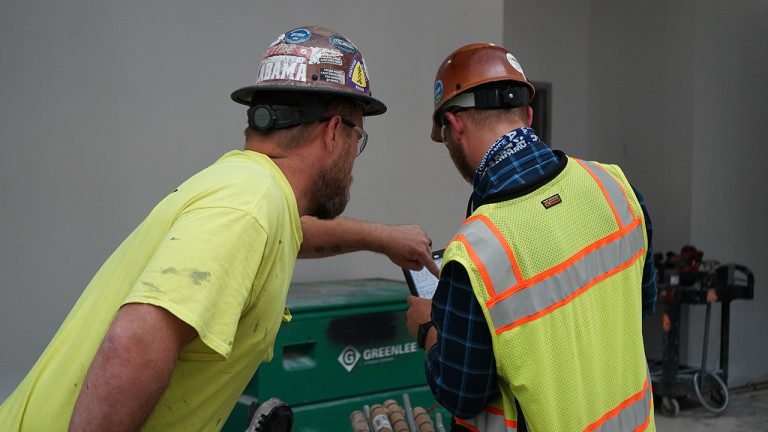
column 291, row 68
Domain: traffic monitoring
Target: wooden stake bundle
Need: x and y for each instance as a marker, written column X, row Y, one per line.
column 422, row 420
column 379, row 419
column 396, row 416
column 358, row 421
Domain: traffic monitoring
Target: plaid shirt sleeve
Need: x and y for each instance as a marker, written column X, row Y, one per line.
column 460, row 367
column 649, row 271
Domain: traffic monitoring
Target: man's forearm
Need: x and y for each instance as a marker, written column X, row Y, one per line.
column 341, row 235
column 407, row 246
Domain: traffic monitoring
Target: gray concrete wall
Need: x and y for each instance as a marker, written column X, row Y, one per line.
column 729, row 146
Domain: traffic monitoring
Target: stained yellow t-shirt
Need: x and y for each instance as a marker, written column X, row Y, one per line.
column 218, row 252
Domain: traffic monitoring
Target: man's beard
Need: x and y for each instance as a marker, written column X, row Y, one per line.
column 459, row 158
column 330, row 193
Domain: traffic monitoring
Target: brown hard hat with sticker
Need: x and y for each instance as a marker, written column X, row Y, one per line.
column 315, row 60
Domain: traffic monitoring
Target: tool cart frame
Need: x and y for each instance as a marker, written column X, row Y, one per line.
column 671, row 380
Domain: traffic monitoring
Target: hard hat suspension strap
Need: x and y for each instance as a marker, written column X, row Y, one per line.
column 263, row 117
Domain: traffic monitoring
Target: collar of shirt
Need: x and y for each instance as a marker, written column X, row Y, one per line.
column 516, row 158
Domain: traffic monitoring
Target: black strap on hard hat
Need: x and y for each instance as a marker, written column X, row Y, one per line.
column 490, row 96
column 496, row 97
column 264, row 117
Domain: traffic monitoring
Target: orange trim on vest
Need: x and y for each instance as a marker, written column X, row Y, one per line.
column 622, row 190
column 507, row 248
column 494, row 410
column 602, row 189
column 560, row 267
column 466, row 425
column 612, row 413
column 490, row 410
column 478, row 263
column 571, row 297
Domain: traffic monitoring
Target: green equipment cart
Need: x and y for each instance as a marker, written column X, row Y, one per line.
column 346, row 347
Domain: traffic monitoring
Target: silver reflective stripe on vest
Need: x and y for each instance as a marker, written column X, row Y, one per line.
column 567, row 282
column 614, row 191
column 630, row 415
column 500, row 274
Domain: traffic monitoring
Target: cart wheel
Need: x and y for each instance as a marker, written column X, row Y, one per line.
column 705, row 381
column 670, row 407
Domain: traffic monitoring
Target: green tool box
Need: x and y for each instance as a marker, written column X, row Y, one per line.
column 347, row 346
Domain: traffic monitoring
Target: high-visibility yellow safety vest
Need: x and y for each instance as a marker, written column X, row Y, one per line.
column 558, row 274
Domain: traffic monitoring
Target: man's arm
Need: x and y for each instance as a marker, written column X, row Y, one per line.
column 408, row 246
column 649, row 288
column 460, row 366
column 420, row 312
column 131, row 369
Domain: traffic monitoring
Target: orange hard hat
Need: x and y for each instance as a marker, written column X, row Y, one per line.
column 315, row 60
column 476, row 67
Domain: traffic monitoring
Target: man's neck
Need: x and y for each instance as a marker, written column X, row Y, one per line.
column 296, row 164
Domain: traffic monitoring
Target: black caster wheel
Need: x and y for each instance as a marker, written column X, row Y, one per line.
column 670, row 407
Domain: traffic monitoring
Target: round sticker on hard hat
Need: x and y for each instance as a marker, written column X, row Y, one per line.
column 297, row 36
column 513, row 61
column 438, row 91
column 343, row 44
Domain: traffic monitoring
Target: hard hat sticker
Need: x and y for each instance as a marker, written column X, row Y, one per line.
column 315, row 55
column 438, row 90
column 325, row 55
column 332, row 75
column 297, row 36
column 283, row 68
column 356, row 76
column 343, row 44
column 513, row 61
column 288, row 50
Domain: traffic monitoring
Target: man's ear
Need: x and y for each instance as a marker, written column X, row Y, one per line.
column 529, row 111
column 332, row 133
column 457, row 122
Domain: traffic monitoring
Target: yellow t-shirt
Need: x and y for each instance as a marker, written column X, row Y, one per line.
column 218, row 253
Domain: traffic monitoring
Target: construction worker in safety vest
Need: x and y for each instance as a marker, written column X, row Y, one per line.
column 536, row 321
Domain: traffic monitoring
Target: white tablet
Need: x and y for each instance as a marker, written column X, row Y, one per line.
column 422, row 283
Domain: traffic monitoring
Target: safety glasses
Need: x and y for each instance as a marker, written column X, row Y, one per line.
column 361, row 142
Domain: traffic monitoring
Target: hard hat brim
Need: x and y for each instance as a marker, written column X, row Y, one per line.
column 246, row 96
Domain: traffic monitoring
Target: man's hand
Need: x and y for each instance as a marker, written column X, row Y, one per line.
column 131, row 369
column 419, row 312
column 409, row 247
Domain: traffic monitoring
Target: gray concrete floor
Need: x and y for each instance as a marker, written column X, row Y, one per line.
column 747, row 411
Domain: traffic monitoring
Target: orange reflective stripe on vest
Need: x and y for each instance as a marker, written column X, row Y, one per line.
column 612, row 191
column 632, row 414
column 497, row 264
column 491, row 420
